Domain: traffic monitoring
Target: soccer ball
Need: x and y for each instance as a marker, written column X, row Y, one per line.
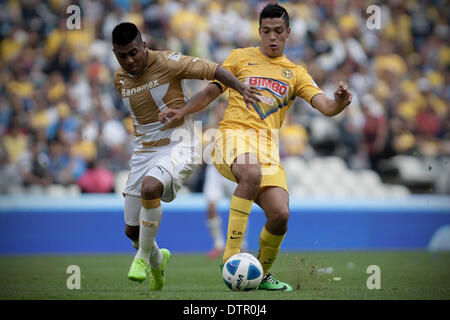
column 242, row 272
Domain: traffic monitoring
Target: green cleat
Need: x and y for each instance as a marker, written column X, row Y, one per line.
column 270, row 284
column 158, row 276
column 138, row 270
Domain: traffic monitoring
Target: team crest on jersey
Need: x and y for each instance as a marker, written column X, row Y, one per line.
column 287, row 73
column 175, row 56
column 276, row 87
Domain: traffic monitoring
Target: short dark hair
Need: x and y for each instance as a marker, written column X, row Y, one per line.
column 124, row 33
column 274, row 11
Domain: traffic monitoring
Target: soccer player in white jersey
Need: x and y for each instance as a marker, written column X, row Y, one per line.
column 149, row 82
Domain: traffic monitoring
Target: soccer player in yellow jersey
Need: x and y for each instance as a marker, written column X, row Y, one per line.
column 148, row 82
column 246, row 144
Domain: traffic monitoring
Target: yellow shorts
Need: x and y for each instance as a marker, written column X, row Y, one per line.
column 229, row 144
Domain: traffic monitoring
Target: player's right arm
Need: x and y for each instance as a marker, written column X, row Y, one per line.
column 249, row 93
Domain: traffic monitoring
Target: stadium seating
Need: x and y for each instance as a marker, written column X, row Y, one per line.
column 54, row 190
column 330, row 177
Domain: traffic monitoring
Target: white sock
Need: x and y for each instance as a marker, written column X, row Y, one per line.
column 215, row 229
column 149, row 220
column 156, row 257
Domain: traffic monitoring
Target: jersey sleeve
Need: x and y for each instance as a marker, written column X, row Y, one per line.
column 306, row 87
column 116, row 83
column 186, row 67
column 231, row 63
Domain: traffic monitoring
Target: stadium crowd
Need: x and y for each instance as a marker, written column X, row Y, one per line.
column 62, row 122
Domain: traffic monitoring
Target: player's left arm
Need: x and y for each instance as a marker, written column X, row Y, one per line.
column 186, row 67
column 329, row 107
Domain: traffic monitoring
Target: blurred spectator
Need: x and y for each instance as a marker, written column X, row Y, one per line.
column 33, row 165
column 186, row 23
column 15, row 140
column 62, row 62
column 427, row 122
column 9, row 172
column 293, row 138
column 376, row 131
column 96, row 179
column 83, row 148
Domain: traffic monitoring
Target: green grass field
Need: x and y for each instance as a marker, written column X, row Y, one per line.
column 404, row 275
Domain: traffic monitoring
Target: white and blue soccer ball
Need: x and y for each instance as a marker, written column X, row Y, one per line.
column 242, row 272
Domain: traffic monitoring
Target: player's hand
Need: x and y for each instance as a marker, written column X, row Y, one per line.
column 168, row 115
column 342, row 95
column 250, row 95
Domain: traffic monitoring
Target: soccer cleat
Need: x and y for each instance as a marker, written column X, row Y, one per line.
column 158, row 276
column 271, row 284
column 138, row 270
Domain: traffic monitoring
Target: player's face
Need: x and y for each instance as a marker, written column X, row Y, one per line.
column 274, row 34
column 132, row 57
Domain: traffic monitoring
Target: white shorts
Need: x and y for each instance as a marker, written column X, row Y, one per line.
column 170, row 164
column 217, row 186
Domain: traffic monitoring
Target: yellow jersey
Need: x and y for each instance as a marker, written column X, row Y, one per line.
column 279, row 80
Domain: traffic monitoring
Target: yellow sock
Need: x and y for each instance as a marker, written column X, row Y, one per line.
column 269, row 246
column 237, row 223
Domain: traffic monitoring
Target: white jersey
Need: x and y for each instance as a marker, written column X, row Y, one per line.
column 168, row 153
column 160, row 86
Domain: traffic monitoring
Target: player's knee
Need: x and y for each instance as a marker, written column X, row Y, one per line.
column 132, row 232
column 280, row 220
column 151, row 188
